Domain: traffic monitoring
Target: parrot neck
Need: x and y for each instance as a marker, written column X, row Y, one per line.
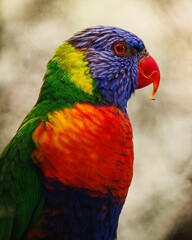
column 58, row 92
column 68, row 81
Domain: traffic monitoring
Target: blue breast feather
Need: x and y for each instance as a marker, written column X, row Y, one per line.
column 72, row 214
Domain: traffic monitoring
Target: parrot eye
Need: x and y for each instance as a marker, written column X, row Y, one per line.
column 119, row 48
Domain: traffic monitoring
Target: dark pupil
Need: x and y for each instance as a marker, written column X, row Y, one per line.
column 120, row 48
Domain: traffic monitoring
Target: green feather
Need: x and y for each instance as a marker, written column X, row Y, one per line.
column 20, row 186
column 21, row 199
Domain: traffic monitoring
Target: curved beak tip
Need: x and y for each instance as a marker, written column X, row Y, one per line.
column 152, row 97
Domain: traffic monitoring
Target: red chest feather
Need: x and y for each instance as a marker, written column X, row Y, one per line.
column 87, row 147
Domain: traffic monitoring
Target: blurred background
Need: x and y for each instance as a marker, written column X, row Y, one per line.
column 159, row 203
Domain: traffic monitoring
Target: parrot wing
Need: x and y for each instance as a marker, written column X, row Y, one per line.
column 20, row 187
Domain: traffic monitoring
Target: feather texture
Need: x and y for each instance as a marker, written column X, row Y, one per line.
column 66, row 173
column 86, row 176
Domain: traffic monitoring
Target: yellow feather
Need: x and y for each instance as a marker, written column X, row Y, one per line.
column 73, row 61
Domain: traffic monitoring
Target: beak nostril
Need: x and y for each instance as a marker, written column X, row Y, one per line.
column 144, row 53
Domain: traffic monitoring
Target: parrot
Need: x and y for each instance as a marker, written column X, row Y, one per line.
column 65, row 174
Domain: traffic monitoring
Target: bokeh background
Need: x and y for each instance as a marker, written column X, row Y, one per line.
column 160, row 198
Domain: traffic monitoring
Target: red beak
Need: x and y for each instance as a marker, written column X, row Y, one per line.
column 148, row 72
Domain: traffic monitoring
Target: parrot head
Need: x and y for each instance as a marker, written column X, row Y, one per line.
column 101, row 64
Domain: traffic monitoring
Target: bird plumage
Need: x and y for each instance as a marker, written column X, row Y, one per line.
column 66, row 173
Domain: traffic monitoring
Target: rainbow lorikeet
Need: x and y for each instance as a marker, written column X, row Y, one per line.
column 66, row 173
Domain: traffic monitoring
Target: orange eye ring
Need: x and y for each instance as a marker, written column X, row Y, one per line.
column 119, row 48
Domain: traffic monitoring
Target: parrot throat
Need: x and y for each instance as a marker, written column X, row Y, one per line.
column 72, row 214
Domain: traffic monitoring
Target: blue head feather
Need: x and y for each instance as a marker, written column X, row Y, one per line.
column 116, row 77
